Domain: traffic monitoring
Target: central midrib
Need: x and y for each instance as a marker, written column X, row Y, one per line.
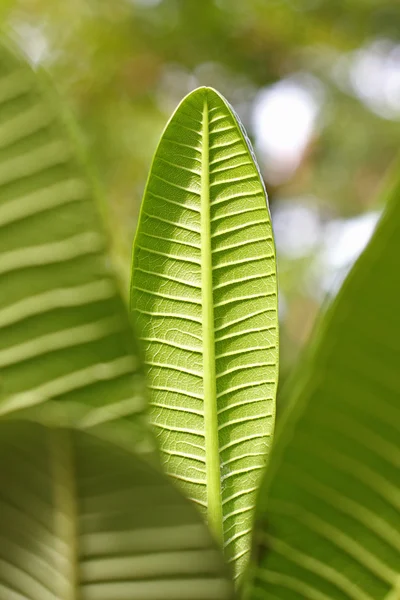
column 65, row 513
column 214, row 500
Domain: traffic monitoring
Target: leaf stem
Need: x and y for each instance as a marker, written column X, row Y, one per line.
column 214, row 499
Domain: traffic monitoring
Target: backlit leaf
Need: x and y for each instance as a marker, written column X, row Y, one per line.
column 204, row 301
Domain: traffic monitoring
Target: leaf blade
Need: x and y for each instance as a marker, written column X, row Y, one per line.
column 204, row 299
column 82, row 518
column 332, row 492
column 65, row 341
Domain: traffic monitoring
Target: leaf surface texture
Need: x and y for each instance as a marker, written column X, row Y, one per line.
column 204, row 301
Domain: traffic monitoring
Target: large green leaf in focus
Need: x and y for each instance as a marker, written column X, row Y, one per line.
column 329, row 510
column 82, row 519
column 205, row 305
column 64, row 333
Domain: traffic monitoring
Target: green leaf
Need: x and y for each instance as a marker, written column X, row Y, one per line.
column 65, row 336
column 204, row 300
column 82, row 519
column 329, row 509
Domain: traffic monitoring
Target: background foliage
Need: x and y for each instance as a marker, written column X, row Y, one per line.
column 333, row 66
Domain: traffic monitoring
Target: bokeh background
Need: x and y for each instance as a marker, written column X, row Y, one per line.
column 315, row 82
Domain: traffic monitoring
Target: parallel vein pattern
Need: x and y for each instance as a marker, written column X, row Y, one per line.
column 330, row 507
column 204, row 300
column 64, row 334
column 80, row 519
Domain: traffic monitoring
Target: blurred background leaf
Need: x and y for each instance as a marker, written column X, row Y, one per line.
column 328, row 511
column 82, row 518
column 66, row 345
column 316, row 83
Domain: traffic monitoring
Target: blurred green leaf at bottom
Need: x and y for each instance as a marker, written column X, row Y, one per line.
column 81, row 518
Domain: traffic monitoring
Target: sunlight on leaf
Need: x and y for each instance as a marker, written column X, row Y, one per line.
column 205, row 306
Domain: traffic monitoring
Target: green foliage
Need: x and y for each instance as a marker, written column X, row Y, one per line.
column 205, row 306
column 124, row 65
column 65, row 341
column 79, row 517
column 329, row 509
column 83, row 519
